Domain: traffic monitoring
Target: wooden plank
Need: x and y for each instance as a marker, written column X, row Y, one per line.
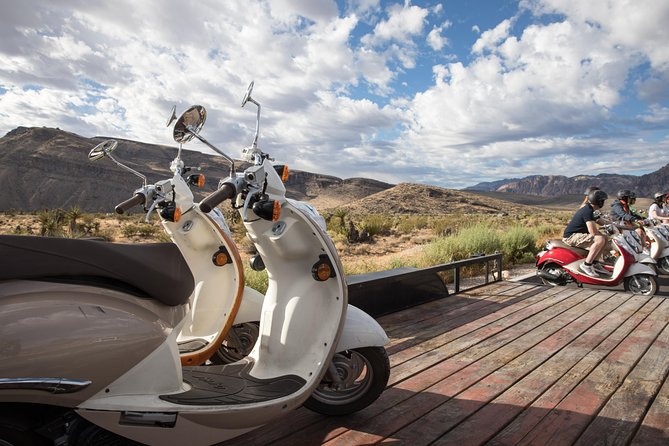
column 435, row 424
column 432, row 313
column 618, row 420
column 654, row 429
column 440, row 329
column 484, row 424
column 564, row 424
column 465, row 336
column 423, row 311
column 464, row 369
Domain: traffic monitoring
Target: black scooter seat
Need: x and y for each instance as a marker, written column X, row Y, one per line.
column 155, row 270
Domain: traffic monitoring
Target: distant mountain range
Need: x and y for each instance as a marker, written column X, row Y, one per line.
column 47, row 168
column 558, row 185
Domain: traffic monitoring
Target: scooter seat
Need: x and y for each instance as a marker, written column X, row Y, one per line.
column 557, row 243
column 155, row 270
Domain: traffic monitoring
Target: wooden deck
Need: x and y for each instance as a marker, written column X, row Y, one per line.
column 511, row 363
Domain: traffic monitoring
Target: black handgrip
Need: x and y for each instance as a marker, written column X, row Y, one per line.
column 226, row 191
column 130, row 202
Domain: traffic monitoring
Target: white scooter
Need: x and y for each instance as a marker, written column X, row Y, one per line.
column 90, row 329
column 659, row 246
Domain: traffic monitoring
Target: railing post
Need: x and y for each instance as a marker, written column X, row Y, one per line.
column 457, row 279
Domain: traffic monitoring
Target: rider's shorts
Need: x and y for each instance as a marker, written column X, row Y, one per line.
column 580, row 240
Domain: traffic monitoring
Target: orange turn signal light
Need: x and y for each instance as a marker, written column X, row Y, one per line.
column 197, row 179
column 221, row 257
column 268, row 210
column 322, row 270
column 177, row 214
column 282, row 171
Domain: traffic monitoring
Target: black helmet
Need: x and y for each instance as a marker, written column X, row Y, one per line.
column 625, row 194
column 597, row 197
column 590, row 189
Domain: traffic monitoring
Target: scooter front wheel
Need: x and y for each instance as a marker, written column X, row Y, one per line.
column 237, row 344
column 663, row 265
column 362, row 375
column 643, row 284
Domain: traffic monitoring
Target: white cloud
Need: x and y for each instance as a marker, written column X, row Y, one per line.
column 404, row 22
column 435, row 39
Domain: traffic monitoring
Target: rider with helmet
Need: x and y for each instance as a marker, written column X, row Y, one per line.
column 622, row 213
column 620, row 208
column 582, row 232
column 657, row 209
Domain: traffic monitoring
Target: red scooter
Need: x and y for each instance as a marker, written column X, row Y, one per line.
column 558, row 264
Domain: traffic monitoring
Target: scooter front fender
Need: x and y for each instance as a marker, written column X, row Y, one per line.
column 360, row 330
column 639, row 268
column 251, row 306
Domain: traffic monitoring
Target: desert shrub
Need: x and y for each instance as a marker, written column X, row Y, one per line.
column 258, row 280
column 474, row 240
column 443, row 226
column 409, row 223
column 336, row 222
column 51, row 222
column 140, row 230
column 518, row 244
column 377, row 225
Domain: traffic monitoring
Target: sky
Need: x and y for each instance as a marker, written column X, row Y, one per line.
column 447, row 93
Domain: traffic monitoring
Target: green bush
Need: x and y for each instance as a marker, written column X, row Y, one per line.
column 409, row 223
column 257, row 280
column 377, row 225
column 517, row 244
column 140, row 230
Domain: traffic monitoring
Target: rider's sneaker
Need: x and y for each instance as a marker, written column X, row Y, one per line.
column 599, row 268
column 588, row 270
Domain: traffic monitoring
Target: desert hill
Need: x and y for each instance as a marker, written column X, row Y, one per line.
column 45, row 168
column 406, row 198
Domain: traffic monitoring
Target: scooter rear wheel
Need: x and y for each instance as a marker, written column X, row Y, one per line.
column 363, row 375
column 555, row 270
column 643, row 284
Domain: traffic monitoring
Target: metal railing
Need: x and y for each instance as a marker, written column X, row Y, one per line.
column 393, row 290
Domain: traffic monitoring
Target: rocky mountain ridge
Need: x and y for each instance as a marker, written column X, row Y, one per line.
column 558, row 185
column 46, row 168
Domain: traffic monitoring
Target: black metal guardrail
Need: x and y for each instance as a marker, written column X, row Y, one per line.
column 396, row 289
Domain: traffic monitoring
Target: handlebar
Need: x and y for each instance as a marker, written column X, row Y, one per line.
column 129, row 203
column 226, row 191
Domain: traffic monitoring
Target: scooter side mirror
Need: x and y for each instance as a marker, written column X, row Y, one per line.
column 103, row 149
column 173, row 116
column 247, row 96
column 189, row 124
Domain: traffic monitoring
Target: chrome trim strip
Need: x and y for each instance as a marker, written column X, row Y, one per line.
column 52, row 385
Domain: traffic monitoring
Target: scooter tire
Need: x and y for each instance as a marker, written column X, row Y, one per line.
column 365, row 372
column 642, row 284
column 552, row 268
column 237, row 344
